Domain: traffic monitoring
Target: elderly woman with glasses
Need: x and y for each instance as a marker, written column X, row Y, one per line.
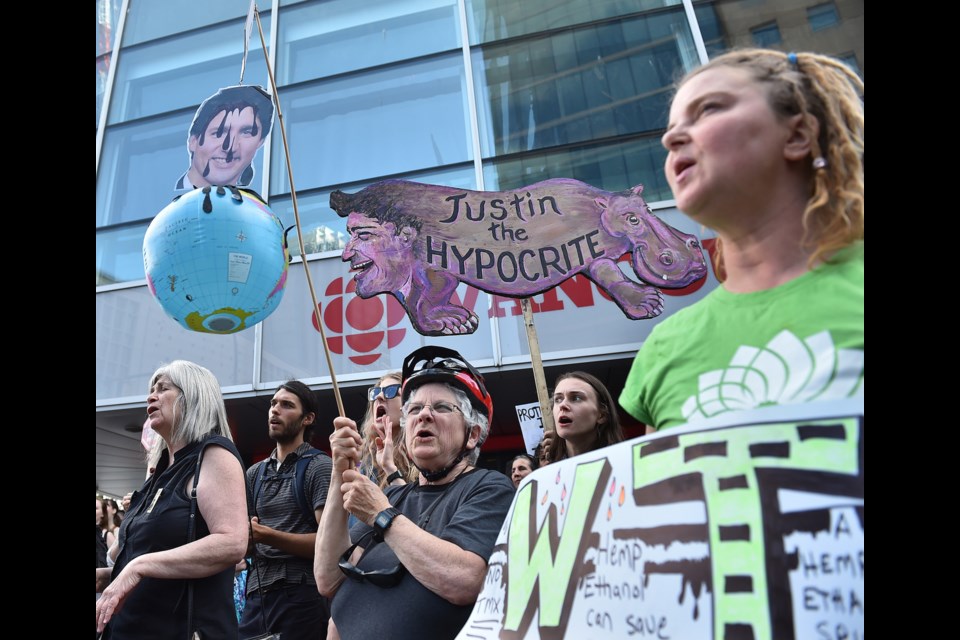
column 423, row 545
column 383, row 456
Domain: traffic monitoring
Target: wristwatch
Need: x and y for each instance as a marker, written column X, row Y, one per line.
column 396, row 475
column 383, row 521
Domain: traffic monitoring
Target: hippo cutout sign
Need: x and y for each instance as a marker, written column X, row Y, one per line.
column 419, row 241
column 747, row 527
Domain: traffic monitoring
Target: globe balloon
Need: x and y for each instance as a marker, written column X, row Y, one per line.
column 216, row 260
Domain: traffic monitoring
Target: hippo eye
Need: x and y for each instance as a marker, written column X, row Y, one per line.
column 666, row 258
column 633, row 219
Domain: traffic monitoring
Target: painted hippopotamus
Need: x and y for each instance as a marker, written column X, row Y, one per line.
column 419, row 241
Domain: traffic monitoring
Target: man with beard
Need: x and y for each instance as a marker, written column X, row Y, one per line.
column 288, row 491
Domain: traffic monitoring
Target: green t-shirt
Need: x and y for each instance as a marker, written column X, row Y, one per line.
column 799, row 342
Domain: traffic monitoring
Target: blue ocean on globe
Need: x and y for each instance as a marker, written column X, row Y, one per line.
column 216, row 260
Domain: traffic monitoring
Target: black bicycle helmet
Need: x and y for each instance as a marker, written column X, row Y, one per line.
column 439, row 364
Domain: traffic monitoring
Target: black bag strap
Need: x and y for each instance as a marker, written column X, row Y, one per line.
column 191, row 534
column 298, row 483
column 258, row 483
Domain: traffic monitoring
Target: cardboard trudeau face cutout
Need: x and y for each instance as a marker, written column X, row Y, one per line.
column 227, row 130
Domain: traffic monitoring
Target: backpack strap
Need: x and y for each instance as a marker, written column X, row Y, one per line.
column 299, row 475
column 192, row 533
column 258, row 483
column 298, row 483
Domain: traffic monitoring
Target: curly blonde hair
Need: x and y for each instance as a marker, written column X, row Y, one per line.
column 825, row 89
column 368, row 451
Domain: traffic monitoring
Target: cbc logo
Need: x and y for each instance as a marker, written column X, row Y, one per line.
column 364, row 319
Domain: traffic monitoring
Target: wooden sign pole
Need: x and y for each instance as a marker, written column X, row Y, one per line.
column 540, row 378
column 296, row 215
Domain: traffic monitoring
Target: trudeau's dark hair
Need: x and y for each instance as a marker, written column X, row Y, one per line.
column 307, row 402
column 232, row 98
column 608, row 433
column 383, row 201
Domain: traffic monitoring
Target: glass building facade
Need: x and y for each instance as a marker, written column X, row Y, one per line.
column 474, row 94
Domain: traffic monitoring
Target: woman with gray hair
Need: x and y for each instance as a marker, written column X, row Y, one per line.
column 426, row 542
column 187, row 526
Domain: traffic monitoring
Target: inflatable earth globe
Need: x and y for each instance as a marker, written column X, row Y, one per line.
column 216, row 260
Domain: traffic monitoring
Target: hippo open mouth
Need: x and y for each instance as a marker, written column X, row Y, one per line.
column 668, row 267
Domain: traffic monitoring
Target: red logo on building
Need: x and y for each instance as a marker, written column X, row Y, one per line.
column 366, row 319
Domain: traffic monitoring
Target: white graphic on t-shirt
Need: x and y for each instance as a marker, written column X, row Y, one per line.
column 788, row 370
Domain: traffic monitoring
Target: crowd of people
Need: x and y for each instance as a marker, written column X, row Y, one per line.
column 764, row 148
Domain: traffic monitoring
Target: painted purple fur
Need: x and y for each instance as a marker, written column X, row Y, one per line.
column 419, row 241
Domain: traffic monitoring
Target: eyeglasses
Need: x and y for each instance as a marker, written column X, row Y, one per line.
column 414, row 408
column 379, row 577
column 389, row 392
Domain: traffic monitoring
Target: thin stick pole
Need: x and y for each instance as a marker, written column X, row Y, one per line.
column 546, row 412
column 296, row 215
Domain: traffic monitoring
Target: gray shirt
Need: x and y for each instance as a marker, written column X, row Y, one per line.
column 277, row 508
column 467, row 512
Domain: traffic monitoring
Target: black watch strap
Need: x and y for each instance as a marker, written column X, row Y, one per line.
column 383, row 521
column 396, row 475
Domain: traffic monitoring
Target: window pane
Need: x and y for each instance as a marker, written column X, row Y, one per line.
column 388, row 121
column 153, row 19
column 120, row 254
column 614, row 167
column 491, row 20
column 595, row 82
column 823, row 16
column 108, row 13
column 140, row 164
column 324, row 230
column 327, row 38
column 710, row 28
column 103, row 68
column 733, row 20
column 184, row 71
column 766, row 35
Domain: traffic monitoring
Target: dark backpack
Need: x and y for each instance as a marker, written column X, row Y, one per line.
column 299, row 472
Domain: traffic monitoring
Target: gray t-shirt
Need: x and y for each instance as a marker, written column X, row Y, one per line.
column 277, row 508
column 470, row 513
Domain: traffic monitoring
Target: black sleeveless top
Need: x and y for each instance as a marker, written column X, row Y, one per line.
column 156, row 609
